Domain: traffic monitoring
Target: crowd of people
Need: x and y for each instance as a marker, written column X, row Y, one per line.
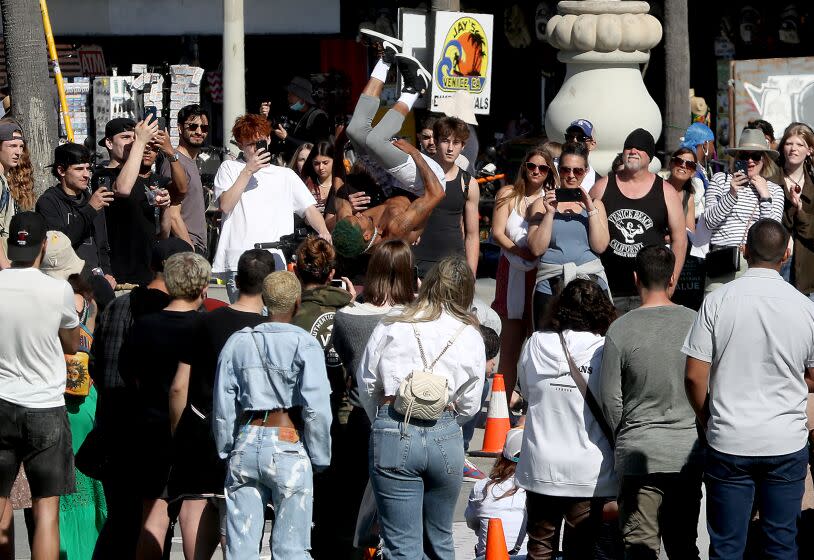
column 338, row 399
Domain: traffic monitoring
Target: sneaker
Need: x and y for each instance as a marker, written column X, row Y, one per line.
column 471, row 472
column 390, row 46
column 414, row 76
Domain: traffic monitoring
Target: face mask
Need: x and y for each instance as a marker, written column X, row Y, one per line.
column 298, row 106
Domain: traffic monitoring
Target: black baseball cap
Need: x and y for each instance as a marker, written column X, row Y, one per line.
column 7, row 130
column 164, row 249
column 70, row 154
column 25, row 236
column 117, row 126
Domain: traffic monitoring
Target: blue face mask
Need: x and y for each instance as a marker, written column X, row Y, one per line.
column 298, row 106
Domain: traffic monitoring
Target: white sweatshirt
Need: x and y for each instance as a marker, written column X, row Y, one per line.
column 565, row 452
column 494, row 504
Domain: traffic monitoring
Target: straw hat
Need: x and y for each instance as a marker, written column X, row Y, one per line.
column 460, row 105
column 753, row 140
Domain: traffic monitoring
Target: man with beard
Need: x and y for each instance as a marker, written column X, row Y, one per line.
column 641, row 212
column 188, row 220
column 70, row 207
column 134, row 218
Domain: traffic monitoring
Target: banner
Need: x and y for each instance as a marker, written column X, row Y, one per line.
column 462, row 57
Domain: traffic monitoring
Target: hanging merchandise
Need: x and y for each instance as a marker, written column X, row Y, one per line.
column 185, row 90
column 541, row 16
column 515, row 28
column 789, row 25
column 113, row 97
column 724, row 47
column 699, row 109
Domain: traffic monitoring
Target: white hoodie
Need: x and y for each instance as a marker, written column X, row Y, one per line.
column 565, row 452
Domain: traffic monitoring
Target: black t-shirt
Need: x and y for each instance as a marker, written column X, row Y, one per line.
column 132, row 224
column 149, row 358
column 213, row 330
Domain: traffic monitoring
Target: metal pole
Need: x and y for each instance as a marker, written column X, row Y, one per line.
column 52, row 51
column 234, row 80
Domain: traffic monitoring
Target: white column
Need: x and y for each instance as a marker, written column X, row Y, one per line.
column 234, row 67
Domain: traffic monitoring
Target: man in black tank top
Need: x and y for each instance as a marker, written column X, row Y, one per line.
column 641, row 212
column 452, row 228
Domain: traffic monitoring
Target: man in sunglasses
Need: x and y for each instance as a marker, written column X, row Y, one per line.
column 641, row 212
column 582, row 132
column 188, row 214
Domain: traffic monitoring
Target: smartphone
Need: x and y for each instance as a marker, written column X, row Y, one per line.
column 151, row 112
column 338, row 284
column 568, row 195
column 261, row 145
column 415, row 279
column 742, row 166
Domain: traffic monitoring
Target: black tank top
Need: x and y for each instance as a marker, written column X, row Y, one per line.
column 443, row 236
column 633, row 224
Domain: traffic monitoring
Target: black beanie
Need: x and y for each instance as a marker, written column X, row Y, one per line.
column 641, row 140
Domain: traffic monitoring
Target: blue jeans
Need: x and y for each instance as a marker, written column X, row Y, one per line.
column 776, row 484
column 264, row 469
column 416, row 478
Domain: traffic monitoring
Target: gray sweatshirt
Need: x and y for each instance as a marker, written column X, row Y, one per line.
column 642, row 391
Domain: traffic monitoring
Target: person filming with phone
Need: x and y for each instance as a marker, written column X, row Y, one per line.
column 258, row 200
column 568, row 230
column 735, row 201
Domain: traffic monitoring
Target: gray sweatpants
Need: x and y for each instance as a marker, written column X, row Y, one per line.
column 375, row 142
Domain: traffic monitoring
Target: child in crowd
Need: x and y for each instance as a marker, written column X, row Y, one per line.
column 498, row 497
column 491, row 341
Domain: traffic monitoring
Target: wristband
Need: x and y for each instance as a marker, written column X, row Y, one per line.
column 593, row 212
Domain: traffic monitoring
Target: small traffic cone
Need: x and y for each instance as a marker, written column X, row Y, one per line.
column 496, row 541
column 497, row 421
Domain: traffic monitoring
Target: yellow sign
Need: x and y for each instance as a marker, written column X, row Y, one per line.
column 464, row 58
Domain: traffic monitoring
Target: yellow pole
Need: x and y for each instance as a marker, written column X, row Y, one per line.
column 52, row 51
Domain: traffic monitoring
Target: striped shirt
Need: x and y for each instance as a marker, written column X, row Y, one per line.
column 727, row 216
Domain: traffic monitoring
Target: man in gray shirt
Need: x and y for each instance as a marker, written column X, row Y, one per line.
column 189, row 219
column 750, row 367
column 642, row 396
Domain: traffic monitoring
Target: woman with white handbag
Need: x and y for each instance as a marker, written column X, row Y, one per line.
column 421, row 376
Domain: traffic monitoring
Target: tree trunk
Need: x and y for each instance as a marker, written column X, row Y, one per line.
column 677, row 72
column 31, row 89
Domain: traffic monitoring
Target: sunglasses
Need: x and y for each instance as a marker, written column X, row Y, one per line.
column 192, row 127
column 757, row 157
column 542, row 168
column 685, row 163
column 576, row 171
column 575, row 137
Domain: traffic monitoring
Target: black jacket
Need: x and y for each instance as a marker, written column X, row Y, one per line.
column 78, row 220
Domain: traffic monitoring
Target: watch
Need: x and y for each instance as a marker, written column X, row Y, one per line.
column 763, row 199
column 173, row 158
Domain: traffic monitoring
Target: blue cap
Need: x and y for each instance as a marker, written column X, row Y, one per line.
column 697, row 133
column 584, row 125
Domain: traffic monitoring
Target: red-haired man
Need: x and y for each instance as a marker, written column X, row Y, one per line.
column 258, row 200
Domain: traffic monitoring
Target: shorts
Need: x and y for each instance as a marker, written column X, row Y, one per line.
column 40, row 439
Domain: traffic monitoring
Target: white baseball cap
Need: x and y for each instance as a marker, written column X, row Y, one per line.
column 514, row 441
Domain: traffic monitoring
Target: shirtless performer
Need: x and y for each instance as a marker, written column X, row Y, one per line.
column 399, row 217
column 403, row 216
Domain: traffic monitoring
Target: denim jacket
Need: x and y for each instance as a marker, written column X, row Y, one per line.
column 292, row 373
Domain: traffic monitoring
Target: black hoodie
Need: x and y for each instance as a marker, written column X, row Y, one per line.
column 78, row 220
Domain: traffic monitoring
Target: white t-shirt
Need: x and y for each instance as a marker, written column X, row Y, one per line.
column 757, row 334
column 494, row 504
column 264, row 213
column 33, row 307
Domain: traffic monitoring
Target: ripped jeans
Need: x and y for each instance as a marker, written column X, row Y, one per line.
column 264, row 469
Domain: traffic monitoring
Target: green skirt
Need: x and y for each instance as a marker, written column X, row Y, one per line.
column 81, row 514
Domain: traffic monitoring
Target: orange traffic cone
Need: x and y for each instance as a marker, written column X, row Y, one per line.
column 497, row 421
column 496, row 541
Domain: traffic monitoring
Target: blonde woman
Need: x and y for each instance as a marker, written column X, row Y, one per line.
column 415, row 465
column 797, row 174
column 516, row 271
